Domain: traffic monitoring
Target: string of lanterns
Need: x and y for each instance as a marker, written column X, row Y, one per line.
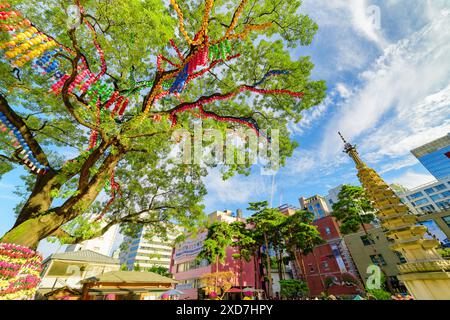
column 20, row 268
column 32, row 44
column 19, row 142
column 114, row 188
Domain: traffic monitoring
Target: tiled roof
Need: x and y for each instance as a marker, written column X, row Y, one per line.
column 84, row 255
column 129, row 277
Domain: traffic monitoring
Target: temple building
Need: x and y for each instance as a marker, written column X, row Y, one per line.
column 425, row 274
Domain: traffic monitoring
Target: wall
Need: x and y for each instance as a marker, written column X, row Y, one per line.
column 361, row 253
column 327, row 260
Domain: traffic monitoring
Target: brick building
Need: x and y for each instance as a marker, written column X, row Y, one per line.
column 329, row 267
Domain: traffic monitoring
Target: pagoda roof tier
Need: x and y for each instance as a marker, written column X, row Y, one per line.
column 399, row 220
column 393, row 211
column 415, row 243
column 424, row 266
column 406, row 232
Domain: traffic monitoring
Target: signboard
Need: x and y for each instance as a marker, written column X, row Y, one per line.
column 190, row 248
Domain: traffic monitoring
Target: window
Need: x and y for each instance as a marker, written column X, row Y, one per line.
column 446, row 193
column 321, row 213
column 318, row 205
column 400, row 257
column 440, row 187
column 367, row 241
column 444, row 204
column 330, row 201
column 447, row 220
column 327, row 230
column 420, row 202
column 428, row 209
column 436, row 197
column 429, row 190
column 415, row 195
column 325, row 265
column 378, row 259
column 311, row 268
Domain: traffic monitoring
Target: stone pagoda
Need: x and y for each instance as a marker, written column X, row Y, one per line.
column 425, row 274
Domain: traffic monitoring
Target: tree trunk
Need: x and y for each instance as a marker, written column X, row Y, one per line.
column 301, row 265
column 269, row 267
column 255, row 266
column 217, row 275
column 31, row 231
column 277, row 257
column 241, row 267
column 40, row 226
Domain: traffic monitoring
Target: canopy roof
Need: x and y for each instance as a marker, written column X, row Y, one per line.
column 83, row 256
column 135, row 277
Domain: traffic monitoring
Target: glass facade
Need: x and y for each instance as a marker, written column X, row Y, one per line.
column 415, row 195
column 433, row 197
column 437, row 163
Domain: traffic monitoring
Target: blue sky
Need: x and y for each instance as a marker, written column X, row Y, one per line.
column 388, row 92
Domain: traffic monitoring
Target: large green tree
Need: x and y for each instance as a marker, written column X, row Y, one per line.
column 244, row 242
column 131, row 34
column 265, row 224
column 353, row 210
column 300, row 236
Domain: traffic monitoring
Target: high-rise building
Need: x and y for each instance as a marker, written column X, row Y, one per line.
column 333, row 196
column 146, row 253
column 315, row 204
column 435, row 156
column 430, row 197
column 103, row 244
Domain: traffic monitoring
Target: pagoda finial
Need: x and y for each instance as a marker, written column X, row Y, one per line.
column 342, row 137
column 351, row 150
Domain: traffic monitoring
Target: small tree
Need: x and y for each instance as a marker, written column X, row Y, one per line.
column 218, row 280
column 293, row 288
column 215, row 246
column 160, row 270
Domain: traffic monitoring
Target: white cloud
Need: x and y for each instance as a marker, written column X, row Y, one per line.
column 396, row 165
column 343, row 90
column 236, row 190
column 408, row 85
column 310, row 117
column 367, row 20
column 412, row 179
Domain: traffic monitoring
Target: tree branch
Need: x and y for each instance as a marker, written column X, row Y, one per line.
column 17, row 121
